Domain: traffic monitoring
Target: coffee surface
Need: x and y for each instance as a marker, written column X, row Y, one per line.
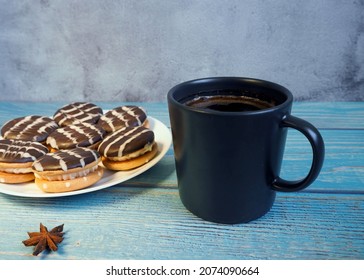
column 228, row 103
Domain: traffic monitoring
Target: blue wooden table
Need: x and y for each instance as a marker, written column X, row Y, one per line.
column 143, row 218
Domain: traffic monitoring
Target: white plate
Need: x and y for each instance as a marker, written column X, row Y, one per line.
column 162, row 137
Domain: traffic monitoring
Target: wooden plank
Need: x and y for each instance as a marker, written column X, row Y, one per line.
column 147, row 223
column 331, row 115
column 343, row 169
column 339, row 115
column 144, row 218
column 324, row 115
column 10, row 110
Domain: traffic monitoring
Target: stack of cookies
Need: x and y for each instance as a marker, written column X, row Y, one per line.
column 64, row 153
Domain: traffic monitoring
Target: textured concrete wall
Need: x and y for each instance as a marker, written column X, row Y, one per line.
column 136, row 50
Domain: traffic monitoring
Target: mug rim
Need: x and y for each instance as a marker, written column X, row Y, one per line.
column 221, row 79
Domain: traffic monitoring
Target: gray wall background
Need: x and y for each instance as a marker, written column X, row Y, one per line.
column 136, row 50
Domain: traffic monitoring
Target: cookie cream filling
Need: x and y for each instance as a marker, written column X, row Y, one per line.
column 68, row 176
column 147, row 148
column 17, row 170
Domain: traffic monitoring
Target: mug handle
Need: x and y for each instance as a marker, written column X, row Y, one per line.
column 318, row 149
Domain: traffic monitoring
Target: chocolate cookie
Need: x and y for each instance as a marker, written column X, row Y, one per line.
column 77, row 112
column 67, row 170
column 16, row 159
column 122, row 116
column 29, row 128
column 76, row 135
column 18, row 151
column 128, row 148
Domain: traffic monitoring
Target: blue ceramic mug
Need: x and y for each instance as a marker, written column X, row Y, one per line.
column 229, row 135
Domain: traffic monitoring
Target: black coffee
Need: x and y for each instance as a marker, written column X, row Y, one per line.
column 228, row 103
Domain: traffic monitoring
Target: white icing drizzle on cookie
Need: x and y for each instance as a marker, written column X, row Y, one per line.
column 118, row 139
column 124, row 116
column 147, row 148
column 16, row 127
column 130, row 111
column 20, row 151
column 133, row 113
column 78, row 111
column 115, row 144
column 61, row 162
column 29, row 128
column 37, row 166
column 75, row 135
column 66, row 160
column 51, row 140
column 122, row 147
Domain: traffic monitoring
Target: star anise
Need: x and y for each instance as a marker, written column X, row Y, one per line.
column 45, row 239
